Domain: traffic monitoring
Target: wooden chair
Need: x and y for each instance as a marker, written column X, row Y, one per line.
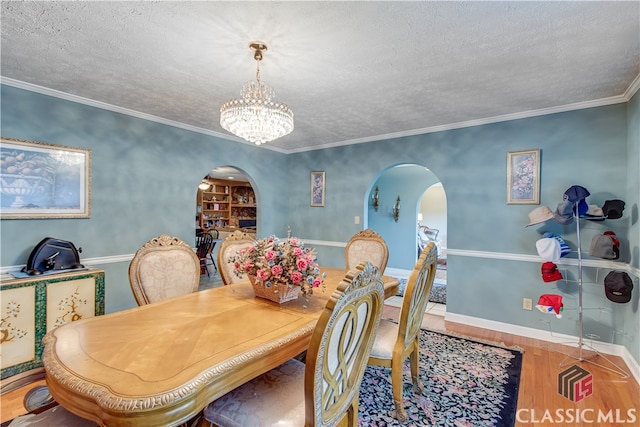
column 165, row 267
column 204, row 246
column 366, row 246
column 215, row 235
column 228, row 247
column 397, row 341
column 326, row 389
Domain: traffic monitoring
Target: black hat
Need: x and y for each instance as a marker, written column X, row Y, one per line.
column 612, row 209
column 618, row 286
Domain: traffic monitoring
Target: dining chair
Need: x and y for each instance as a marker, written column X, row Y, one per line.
column 215, row 234
column 164, row 267
column 204, row 246
column 395, row 342
column 228, row 247
column 324, row 390
column 366, row 246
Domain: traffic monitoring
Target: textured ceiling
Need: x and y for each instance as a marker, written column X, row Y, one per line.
column 351, row 71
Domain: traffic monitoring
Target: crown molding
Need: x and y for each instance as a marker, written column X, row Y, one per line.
column 625, row 97
column 126, row 111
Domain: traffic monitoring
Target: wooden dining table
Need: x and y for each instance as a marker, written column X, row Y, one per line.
column 161, row 364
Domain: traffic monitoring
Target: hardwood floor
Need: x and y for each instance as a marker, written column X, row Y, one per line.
column 615, row 400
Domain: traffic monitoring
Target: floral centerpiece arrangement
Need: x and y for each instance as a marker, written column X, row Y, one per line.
column 279, row 266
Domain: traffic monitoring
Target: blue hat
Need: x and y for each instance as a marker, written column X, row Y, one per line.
column 576, row 193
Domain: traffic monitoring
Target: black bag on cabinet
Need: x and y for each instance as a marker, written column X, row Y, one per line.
column 53, row 254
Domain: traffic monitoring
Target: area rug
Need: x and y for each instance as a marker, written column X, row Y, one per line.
column 466, row 383
column 438, row 290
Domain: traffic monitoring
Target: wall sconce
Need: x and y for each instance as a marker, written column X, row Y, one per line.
column 396, row 209
column 375, row 199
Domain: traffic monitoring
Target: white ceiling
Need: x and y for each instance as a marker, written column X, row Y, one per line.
column 351, row 71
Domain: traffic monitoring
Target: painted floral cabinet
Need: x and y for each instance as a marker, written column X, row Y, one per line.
column 33, row 306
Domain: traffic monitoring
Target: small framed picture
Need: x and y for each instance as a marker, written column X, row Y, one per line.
column 41, row 180
column 317, row 188
column 523, row 177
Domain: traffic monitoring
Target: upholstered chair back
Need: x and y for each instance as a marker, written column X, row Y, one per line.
column 367, row 246
column 229, row 247
column 164, row 267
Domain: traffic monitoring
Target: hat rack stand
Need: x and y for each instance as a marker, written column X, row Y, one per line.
column 579, row 354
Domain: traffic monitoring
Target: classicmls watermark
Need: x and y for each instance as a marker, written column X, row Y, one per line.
column 576, row 384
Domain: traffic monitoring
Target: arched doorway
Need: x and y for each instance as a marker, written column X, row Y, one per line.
column 421, row 193
column 226, row 201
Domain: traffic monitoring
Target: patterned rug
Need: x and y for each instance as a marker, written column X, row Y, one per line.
column 438, row 291
column 466, row 383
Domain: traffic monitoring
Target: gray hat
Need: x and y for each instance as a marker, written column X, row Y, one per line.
column 564, row 213
column 602, row 246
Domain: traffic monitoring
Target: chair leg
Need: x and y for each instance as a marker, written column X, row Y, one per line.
column 204, row 267
column 213, row 262
column 415, row 378
column 396, row 386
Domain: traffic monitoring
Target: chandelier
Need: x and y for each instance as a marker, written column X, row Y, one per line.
column 254, row 116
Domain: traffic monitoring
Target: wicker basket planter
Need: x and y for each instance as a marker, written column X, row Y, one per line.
column 279, row 293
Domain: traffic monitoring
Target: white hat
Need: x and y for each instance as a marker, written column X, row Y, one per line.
column 548, row 249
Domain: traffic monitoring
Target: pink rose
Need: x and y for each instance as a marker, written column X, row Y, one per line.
column 262, row 275
column 302, row 264
column 317, row 282
column 248, row 265
column 270, row 255
column 276, row 270
column 298, row 252
column 296, row 277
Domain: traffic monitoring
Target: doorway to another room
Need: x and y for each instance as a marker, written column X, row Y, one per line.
column 225, row 202
column 432, row 227
column 407, row 206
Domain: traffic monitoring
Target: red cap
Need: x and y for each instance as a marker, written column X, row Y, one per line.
column 550, row 272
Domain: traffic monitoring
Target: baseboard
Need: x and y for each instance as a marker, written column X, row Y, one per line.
column 542, row 335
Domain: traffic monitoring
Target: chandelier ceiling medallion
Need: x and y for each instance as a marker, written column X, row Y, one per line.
column 254, row 116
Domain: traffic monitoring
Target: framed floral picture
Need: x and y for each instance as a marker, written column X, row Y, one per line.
column 40, row 180
column 523, row 177
column 317, row 188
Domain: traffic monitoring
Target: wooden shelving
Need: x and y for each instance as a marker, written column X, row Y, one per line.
column 226, row 205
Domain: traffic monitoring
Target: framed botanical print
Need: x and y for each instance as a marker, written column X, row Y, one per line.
column 523, row 177
column 317, row 188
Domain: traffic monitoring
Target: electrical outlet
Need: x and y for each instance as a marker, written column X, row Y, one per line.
column 527, row 304
column 356, row 220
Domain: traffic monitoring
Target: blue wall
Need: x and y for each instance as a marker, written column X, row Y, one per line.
column 144, row 181
column 145, row 176
column 409, row 182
